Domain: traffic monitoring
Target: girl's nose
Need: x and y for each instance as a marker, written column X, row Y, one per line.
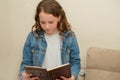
column 47, row 26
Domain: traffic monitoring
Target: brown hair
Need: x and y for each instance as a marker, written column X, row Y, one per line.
column 54, row 8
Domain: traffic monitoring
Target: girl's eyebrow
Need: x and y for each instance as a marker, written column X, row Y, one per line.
column 48, row 20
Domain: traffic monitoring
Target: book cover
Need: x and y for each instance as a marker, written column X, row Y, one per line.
column 51, row 74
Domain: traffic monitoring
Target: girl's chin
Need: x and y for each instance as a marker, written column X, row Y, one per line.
column 49, row 33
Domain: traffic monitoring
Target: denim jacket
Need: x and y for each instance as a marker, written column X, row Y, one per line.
column 35, row 49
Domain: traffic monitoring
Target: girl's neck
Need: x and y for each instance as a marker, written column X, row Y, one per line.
column 56, row 32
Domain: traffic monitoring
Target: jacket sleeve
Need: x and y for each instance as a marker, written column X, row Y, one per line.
column 27, row 52
column 75, row 57
column 27, row 55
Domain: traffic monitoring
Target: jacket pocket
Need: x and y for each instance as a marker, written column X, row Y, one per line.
column 66, row 55
column 38, row 56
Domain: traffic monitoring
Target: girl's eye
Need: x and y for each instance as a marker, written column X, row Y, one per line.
column 51, row 22
column 42, row 22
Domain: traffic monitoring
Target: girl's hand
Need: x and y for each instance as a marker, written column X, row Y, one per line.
column 64, row 78
column 26, row 76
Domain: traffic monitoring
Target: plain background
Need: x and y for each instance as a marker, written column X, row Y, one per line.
column 95, row 22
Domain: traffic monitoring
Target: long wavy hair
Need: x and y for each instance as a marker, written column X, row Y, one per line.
column 54, row 8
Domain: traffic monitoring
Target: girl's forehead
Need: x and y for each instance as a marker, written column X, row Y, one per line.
column 46, row 16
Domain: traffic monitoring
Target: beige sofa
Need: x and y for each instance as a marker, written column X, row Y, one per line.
column 102, row 64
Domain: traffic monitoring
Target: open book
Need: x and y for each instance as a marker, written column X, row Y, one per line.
column 51, row 74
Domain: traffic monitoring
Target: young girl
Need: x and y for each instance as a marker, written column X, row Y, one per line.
column 51, row 41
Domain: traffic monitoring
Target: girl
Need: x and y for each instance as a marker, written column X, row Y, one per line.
column 51, row 41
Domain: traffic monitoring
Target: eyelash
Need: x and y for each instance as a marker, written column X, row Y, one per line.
column 44, row 22
column 50, row 22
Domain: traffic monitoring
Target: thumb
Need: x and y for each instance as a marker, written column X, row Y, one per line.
column 62, row 77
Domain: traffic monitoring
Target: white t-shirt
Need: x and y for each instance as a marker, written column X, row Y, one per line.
column 53, row 53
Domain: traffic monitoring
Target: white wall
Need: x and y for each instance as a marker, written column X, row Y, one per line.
column 96, row 23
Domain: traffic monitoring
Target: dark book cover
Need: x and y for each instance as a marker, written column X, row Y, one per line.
column 51, row 74
column 37, row 71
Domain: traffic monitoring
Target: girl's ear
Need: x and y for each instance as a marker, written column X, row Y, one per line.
column 59, row 18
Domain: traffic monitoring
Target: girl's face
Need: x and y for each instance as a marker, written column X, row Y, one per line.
column 49, row 23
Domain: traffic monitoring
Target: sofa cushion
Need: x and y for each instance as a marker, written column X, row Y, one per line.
column 103, row 59
column 103, row 64
column 96, row 74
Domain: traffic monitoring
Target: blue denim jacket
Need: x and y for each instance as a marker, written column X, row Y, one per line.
column 35, row 49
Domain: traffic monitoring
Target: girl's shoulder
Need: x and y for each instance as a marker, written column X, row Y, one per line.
column 68, row 34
